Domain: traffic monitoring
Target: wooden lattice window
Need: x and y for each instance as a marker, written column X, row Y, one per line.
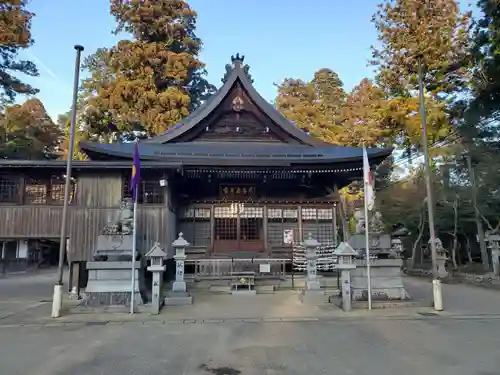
column 318, row 222
column 9, row 189
column 150, row 191
column 56, row 190
column 36, row 190
column 194, row 223
column 280, row 220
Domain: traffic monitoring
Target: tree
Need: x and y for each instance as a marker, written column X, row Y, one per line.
column 15, row 34
column 330, row 95
column 28, row 132
column 435, row 32
column 297, row 101
column 365, row 120
column 154, row 80
column 486, row 58
column 64, row 123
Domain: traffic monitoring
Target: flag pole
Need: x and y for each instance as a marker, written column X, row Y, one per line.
column 135, row 184
column 367, row 239
column 134, row 252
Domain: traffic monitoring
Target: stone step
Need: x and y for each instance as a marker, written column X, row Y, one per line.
column 220, row 289
column 264, row 289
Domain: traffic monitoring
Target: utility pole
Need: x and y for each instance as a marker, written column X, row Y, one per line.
column 57, row 297
column 479, row 225
column 436, row 282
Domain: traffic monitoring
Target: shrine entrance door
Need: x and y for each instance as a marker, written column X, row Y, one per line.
column 238, row 227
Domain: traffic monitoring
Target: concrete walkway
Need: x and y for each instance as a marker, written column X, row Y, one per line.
column 31, row 305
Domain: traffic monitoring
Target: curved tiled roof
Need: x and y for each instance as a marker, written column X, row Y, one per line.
column 238, row 73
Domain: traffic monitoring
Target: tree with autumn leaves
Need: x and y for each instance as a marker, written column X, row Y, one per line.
column 26, row 130
column 142, row 86
column 15, row 35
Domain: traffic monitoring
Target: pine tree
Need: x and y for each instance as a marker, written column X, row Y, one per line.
column 15, row 35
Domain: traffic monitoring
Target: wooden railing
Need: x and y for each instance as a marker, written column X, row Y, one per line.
column 224, row 268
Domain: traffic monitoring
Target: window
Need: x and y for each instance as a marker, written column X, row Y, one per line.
column 194, row 223
column 150, row 191
column 36, row 191
column 9, row 189
column 318, row 222
column 47, row 191
column 57, row 186
column 279, row 221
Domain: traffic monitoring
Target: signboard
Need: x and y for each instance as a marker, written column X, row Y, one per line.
column 288, row 236
column 265, row 268
column 234, row 193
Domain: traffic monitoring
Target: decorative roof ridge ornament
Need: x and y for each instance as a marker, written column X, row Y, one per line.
column 237, row 63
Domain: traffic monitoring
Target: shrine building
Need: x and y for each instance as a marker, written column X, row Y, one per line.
column 235, row 176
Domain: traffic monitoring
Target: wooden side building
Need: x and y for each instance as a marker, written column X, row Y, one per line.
column 234, row 177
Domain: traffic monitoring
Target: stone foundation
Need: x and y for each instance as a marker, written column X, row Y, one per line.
column 104, row 299
column 386, row 281
column 109, row 284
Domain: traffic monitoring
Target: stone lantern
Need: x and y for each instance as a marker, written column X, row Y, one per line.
column 441, row 257
column 312, row 293
column 179, row 294
column 311, row 246
column 157, row 256
column 494, row 244
column 346, row 255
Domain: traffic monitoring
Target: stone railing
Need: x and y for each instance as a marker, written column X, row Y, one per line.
column 223, row 268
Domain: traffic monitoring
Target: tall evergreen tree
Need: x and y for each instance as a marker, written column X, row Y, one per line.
column 152, row 81
column 28, row 132
column 486, row 58
column 15, row 35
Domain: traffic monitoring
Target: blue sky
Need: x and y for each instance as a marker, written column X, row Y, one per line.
column 279, row 39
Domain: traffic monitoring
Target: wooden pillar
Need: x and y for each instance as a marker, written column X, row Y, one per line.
column 335, row 229
column 264, row 228
column 299, row 217
column 212, row 228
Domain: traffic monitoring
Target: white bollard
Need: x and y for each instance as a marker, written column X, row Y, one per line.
column 438, row 294
column 57, row 301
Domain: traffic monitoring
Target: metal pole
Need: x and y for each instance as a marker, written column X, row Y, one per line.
column 479, row 225
column 134, row 251
column 367, row 256
column 436, row 282
column 57, row 300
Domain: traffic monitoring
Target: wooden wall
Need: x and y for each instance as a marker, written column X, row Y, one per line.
column 97, row 201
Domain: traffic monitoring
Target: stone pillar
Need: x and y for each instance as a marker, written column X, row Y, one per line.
column 396, row 248
column 312, row 293
column 494, row 244
column 157, row 255
column 179, row 245
column 345, row 254
column 179, row 294
column 311, row 257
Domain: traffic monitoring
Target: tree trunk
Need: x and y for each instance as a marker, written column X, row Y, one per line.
column 468, row 250
column 417, row 241
column 454, row 234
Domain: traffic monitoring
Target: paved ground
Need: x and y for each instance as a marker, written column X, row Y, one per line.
column 358, row 347
column 291, row 339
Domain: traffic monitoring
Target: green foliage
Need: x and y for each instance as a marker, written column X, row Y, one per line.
column 486, row 57
column 27, row 132
column 15, row 34
column 151, row 82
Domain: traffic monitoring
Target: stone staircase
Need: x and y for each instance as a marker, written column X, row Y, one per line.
column 263, row 286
